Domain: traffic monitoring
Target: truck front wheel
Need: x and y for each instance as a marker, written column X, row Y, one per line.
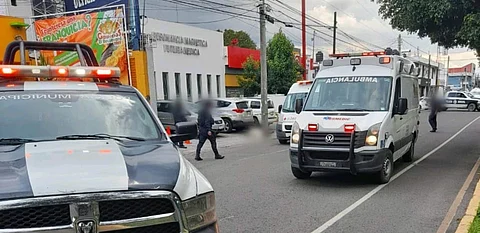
column 385, row 174
column 299, row 174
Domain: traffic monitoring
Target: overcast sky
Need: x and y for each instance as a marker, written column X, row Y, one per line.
column 357, row 18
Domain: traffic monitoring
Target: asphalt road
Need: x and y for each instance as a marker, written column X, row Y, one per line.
column 256, row 191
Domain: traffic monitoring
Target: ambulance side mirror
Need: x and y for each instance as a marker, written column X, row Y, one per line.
column 298, row 106
column 280, row 108
column 402, row 106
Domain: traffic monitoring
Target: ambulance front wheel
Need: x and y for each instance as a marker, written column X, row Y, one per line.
column 299, row 174
column 385, row 173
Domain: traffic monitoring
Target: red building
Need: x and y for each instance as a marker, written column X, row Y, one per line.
column 235, row 57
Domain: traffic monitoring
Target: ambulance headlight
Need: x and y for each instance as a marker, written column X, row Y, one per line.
column 200, row 211
column 295, row 133
column 372, row 135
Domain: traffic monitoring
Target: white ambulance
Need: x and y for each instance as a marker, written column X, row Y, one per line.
column 360, row 116
column 298, row 90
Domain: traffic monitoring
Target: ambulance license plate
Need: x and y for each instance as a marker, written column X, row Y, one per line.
column 328, row 164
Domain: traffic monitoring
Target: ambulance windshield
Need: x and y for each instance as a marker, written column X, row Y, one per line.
column 289, row 104
column 350, row 94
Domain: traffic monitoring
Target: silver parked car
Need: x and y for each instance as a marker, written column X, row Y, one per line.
column 164, row 112
column 234, row 112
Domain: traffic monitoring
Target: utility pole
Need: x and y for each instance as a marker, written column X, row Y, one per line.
column 313, row 40
column 429, row 68
column 304, row 42
column 400, row 43
column 334, row 32
column 448, row 68
column 263, row 66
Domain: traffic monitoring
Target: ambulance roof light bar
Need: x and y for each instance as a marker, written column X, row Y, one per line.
column 364, row 54
column 305, row 82
column 86, row 72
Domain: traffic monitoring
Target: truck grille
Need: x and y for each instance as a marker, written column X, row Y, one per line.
column 145, row 211
column 43, row 216
column 164, row 228
column 328, row 155
column 137, row 208
column 341, row 140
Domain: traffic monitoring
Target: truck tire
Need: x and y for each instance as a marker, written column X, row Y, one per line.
column 283, row 141
column 299, row 174
column 410, row 155
column 471, row 107
column 384, row 175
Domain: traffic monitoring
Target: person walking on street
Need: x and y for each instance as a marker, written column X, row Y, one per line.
column 205, row 123
column 434, row 109
column 179, row 116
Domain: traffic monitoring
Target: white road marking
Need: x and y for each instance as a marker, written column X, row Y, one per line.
column 349, row 209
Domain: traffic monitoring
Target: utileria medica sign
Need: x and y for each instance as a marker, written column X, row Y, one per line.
column 178, row 44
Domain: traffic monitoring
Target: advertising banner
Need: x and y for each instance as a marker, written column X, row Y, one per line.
column 75, row 5
column 102, row 31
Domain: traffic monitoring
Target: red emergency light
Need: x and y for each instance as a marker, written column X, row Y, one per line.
column 364, row 54
column 349, row 128
column 312, row 127
column 78, row 72
column 305, row 82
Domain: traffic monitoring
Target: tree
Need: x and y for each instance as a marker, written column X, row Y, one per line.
column 244, row 40
column 282, row 67
column 250, row 81
column 449, row 23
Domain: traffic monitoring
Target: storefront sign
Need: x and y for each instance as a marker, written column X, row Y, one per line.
column 179, row 40
column 102, row 31
column 74, row 5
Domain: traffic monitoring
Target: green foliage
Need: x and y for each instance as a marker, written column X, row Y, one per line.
column 449, row 23
column 283, row 68
column 244, row 40
column 250, row 81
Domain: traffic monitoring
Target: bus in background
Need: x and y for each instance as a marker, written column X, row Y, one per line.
column 287, row 115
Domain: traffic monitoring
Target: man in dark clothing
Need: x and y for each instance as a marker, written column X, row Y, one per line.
column 205, row 123
column 435, row 107
column 179, row 115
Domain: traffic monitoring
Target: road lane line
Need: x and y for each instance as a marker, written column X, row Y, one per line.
column 458, row 199
column 349, row 209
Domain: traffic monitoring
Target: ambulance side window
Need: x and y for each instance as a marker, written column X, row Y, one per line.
column 398, row 92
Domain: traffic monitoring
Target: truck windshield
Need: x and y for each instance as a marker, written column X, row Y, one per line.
column 350, row 94
column 49, row 115
column 289, row 104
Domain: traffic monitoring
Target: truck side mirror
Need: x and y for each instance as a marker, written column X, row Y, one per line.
column 402, row 106
column 280, row 108
column 298, row 106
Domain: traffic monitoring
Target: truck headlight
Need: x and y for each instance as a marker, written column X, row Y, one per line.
column 372, row 135
column 200, row 211
column 295, row 133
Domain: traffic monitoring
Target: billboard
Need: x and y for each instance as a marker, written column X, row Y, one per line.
column 75, row 5
column 103, row 31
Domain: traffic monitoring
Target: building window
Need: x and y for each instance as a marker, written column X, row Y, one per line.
column 177, row 85
column 218, row 85
column 209, row 85
column 199, row 85
column 189, row 87
column 165, row 85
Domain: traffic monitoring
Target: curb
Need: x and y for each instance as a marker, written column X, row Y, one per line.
column 471, row 212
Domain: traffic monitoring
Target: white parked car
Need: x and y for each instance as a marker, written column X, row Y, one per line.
column 424, row 103
column 255, row 105
column 234, row 112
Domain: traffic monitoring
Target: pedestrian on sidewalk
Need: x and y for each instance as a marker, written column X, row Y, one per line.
column 434, row 109
column 179, row 115
column 205, row 123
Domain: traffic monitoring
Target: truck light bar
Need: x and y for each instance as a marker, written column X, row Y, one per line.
column 305, row 82
column 24, row 71
column 364, row 54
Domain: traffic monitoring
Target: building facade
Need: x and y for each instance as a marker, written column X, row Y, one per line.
column 462, row 78
column 430, row 71
column 189, row 62
column 235, row 57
